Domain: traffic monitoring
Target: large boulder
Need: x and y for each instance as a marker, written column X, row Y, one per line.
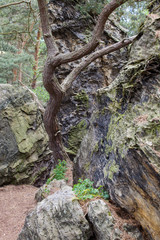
column 24, row 153
column 122, row 147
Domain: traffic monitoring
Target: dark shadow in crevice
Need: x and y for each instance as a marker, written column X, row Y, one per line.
column 93, row 237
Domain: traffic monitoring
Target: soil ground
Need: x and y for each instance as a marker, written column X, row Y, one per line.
column 15, row 204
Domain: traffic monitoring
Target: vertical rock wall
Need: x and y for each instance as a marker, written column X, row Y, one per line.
column 122, row 147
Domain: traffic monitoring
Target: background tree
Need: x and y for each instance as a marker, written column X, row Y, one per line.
column 57, row 90
column 19, row 27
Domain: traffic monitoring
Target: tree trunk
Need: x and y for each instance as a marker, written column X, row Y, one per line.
column 50, row 116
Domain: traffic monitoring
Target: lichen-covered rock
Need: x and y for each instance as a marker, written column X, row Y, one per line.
column 106, row 227
column 122, row 147
column 24, row 153
column 57, row 217
column 102, row 220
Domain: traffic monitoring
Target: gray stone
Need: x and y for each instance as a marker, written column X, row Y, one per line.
column 102, row 220
column 121, row 149
column 106, row 227
column 48, row 189
column 57, row 217
column 133, row 231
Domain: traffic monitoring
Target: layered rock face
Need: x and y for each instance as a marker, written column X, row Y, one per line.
column 24, row 153
column 122, row 147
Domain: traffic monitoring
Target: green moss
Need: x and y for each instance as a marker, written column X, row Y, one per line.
column 108, row 149
column 82, row 98
column 96, row 147
column 69, row 151
column 86, row 166
column 110, row 169
column 76, row 135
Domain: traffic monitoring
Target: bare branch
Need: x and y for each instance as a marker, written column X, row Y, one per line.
column 66, row 84
column 14, row 3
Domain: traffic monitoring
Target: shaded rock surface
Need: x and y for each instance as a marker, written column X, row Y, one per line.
column 24, row 153
column 57, row 217
column 122, row 147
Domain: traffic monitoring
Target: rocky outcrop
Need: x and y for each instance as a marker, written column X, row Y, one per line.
column 57, row 217
column 24, row 153
column 122, row 147
column 60, row 216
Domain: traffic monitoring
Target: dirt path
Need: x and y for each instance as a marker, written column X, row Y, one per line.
column 15, row 203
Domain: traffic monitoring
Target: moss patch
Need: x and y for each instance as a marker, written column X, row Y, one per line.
column 110, row 169
column 82, row 98
column 75, row 137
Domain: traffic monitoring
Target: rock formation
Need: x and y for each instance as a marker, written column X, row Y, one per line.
column 122, row 147
column 60, row 217
column 24, row 153
column 57, row 217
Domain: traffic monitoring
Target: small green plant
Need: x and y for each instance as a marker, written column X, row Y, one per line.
column 84, row 190
column 59, row 171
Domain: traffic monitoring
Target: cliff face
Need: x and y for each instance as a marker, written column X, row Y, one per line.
column 122, row 147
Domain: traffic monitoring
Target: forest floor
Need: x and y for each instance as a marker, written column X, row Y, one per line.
column 15, row 204
column 17, row 201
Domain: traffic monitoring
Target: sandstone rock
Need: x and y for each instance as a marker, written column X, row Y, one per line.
column 57, row 217
column 24, row 153
column 122, row 147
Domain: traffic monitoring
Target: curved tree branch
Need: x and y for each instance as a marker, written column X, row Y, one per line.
column 66, row 84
